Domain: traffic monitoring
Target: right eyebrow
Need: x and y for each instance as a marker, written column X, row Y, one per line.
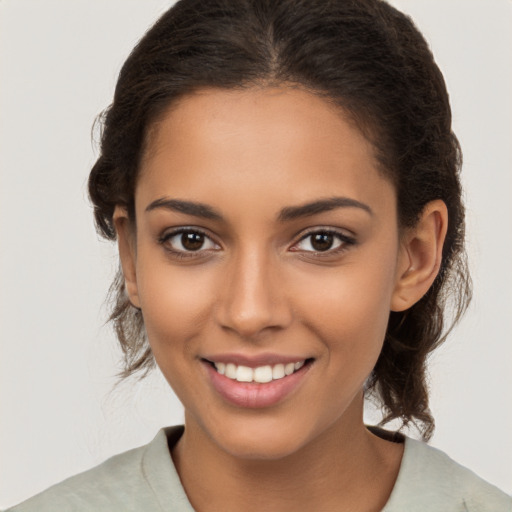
column 187, row 207
column 320, row 206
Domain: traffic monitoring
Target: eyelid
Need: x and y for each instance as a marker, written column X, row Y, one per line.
column 171, row 233
column 346, row 240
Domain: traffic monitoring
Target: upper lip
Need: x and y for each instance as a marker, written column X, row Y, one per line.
column 254, row 361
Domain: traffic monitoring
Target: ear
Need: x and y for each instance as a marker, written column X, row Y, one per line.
column 420, row 256
column 127, row 253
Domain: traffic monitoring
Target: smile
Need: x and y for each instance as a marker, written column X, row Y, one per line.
column 254, row 386
column 260, row 374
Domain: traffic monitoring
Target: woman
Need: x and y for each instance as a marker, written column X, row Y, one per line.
column 282, row 181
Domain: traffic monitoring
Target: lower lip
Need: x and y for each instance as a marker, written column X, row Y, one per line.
column 252, row 394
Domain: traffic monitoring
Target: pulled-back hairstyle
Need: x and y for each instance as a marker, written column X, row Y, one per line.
column 363, row 56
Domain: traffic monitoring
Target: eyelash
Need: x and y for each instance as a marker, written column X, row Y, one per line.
column 345, row 242
column 164, row 239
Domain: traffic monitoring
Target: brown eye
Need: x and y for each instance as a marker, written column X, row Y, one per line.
column 188, row 241
column 322, row 241
column 192, row 241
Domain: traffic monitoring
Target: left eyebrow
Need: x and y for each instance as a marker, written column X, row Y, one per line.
column 320, row 206
column 187, row 207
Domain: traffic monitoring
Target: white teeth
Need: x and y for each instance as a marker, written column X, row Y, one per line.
column 230, row 371
column 244, row 374
column 221, row 368
column 278, row 371
column 261, row 374
column 289, row 368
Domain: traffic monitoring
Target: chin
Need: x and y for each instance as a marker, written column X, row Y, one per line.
column 263, row 439
column 275, row 448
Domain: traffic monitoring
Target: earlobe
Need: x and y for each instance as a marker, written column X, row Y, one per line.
column 127, row 252
column 420, row 256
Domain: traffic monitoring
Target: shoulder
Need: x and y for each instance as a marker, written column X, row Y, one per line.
column 112, row 483
column 429, row 480
column 129, row 481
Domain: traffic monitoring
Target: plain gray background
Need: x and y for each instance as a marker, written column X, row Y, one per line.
column 59, row 414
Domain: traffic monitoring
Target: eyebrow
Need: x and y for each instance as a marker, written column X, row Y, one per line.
column 320, row 206
column 288, row 213
column 188, row 207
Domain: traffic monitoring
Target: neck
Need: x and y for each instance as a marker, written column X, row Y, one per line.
column 346, row 467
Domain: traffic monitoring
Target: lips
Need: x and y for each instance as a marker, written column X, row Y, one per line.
column 252, row 384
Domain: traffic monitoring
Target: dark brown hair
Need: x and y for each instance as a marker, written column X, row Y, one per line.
column 363, row 56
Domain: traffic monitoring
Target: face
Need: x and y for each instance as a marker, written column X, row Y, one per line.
column 265, row 262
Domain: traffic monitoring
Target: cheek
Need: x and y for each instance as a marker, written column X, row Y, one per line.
column 175, row 302
column 349, row 306
column 349, row 314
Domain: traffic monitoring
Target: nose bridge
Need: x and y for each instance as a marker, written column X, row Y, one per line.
column 253, row 299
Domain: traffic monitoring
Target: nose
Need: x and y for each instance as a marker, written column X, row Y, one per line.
column 253, row 296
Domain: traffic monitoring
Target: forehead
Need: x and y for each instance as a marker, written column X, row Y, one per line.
column 260, row 141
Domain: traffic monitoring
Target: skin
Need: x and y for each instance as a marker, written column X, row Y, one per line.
column 257, row 286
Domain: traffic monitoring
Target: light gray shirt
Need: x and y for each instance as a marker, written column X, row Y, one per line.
column 145, row 479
